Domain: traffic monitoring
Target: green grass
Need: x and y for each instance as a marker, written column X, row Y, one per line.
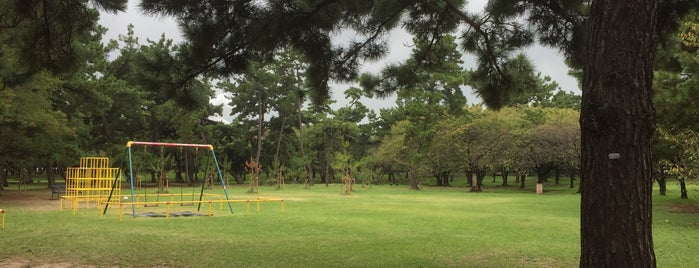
column 387, row 226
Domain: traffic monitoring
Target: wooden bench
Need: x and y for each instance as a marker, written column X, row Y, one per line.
column 57, row 190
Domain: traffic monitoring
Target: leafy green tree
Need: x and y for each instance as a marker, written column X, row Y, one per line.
column 512, row 156
column 685, row 165
column 444, row 153
column 563, row 99
column 400, row 154
column 675, row 82
column 330, row 132
column 48, row 68
column 44, row 34
column 275, row 93
column 555, row 142
column 434, row 67
column 31, row 129
column 428, row 88
column 253, row 94
column 674, row 96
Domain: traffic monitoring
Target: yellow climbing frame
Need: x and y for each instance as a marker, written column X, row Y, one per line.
column 90, row 183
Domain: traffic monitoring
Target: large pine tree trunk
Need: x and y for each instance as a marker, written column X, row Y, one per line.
column 617, row 123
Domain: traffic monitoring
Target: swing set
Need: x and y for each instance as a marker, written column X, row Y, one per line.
column 113, row 198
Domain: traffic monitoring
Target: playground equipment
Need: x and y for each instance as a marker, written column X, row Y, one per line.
column 134, row 201
column 170, row 204
column 91, row 182
column 2, row 211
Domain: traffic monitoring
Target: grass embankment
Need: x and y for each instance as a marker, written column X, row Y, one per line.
column 387, row 226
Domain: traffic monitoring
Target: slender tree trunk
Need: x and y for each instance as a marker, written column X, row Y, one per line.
column 180, row 166
column 279, row 143
column 3, row 178
column 540, row 174
column 521, row 180
column 683, row 189
column 617, row 124
column 662, row 183
column 481, row 177
column 504, row 174
column 261, row 120
column 50, row 175
column 414, row 185
column 189, row 167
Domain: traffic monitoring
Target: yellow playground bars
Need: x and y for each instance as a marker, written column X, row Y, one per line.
column 91, row 182
column 169, row 204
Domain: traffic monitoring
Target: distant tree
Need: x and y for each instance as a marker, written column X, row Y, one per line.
column 685, row 165
column 556, row 142
column 48, row 65
column 253, row 95
column 563, row 99
column 675, row 85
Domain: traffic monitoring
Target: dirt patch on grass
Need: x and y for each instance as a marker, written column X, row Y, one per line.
column 23, row 263
column 33, row 199
column 684, row 208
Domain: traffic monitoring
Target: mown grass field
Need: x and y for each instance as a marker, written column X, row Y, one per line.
column 381, row 226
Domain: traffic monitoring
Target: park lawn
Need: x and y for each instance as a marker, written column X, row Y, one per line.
column 384, row 225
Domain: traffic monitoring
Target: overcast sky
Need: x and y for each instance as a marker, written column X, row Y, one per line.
column 546, row 60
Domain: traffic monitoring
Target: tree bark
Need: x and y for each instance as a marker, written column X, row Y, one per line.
column 617, row 124
column 50, row 175
column 414, row 183
column 661, row 178
column 3, row 177
column 260, row 126
column 683, row 189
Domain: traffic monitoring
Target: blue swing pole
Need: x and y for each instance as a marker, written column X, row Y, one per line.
column 131, row 179
column 220, row 176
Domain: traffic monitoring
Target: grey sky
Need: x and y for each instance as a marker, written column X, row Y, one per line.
column 547, row 61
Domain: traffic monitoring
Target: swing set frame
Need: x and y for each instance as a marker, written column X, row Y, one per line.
column 133, row 202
